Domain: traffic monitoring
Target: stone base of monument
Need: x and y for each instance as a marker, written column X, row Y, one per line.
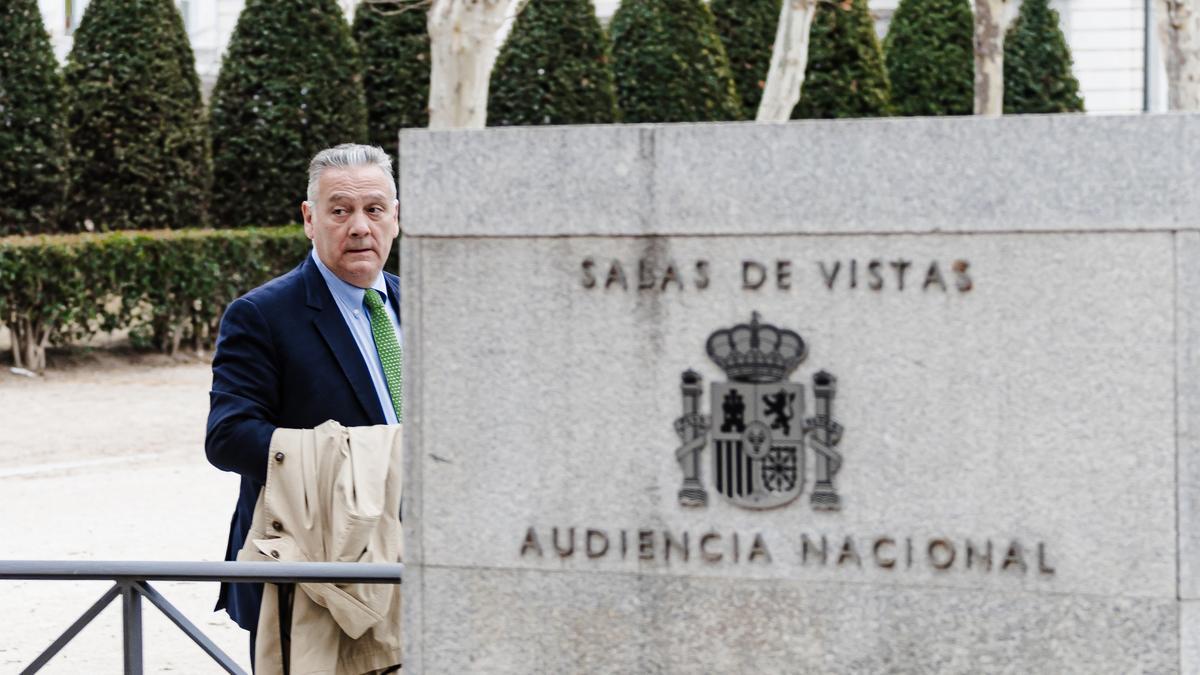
column 878, row 396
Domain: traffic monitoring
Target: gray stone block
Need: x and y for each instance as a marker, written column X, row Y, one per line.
column 509, row 621
column 1189, row 636
column 1009, row 309
column 1038, row 173
column 1187, row 328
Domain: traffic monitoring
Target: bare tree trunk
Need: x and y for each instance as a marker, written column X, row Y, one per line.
column 789, row 59
column 1179, row 29
column 176, row 338
column 462, row 35
column 39, row 354
column 29, row 342
column 16, row 333
column 989, row 57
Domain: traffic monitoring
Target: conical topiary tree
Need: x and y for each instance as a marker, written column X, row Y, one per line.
column 137, row 131
column 930, row 57
column 669, row 63
column 394, row 45
column 1037, row 64
column 290, row 85
column 845, row 75
column 33, row 140
column 554, row 68
column 747, row 29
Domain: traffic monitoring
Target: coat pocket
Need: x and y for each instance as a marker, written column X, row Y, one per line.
column 351, row 537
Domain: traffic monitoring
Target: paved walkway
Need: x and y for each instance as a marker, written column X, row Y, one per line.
column 107, row 462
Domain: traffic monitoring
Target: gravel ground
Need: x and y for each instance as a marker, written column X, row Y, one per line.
column 103, row 460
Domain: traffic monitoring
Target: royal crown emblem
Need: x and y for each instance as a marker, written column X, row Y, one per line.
column 758, row 428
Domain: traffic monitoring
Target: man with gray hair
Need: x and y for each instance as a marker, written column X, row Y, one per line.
column 321, row 342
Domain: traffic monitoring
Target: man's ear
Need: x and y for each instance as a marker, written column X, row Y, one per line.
column 307, row 213
column 396, row 225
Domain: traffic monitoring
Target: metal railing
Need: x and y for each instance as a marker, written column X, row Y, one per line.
column 131, row 583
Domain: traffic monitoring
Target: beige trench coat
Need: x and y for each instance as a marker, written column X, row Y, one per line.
column 332, row 495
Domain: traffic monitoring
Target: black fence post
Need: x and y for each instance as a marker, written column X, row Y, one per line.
column 131, row 605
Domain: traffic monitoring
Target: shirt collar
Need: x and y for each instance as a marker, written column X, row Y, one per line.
column 349, row 294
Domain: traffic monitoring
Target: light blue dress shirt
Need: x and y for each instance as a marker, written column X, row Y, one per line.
column 349, row 299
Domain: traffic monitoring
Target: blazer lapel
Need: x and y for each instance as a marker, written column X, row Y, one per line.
column 393, row 285
column 332, row 327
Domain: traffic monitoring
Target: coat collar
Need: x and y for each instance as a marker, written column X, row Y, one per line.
column 317, row 291
column 393, row 286
column 328, row 321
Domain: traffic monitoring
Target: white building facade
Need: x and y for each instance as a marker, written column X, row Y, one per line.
column 1107, row 40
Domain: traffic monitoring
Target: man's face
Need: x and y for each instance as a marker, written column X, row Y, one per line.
column 353, row 222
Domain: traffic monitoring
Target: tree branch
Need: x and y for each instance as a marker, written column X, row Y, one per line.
column 394, row 7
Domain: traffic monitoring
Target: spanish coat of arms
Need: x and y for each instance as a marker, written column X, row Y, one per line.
column 758, row 427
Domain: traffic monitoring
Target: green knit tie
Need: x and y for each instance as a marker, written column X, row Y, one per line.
column 389, row 350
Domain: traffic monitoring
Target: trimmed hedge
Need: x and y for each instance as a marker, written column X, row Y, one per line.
column 554, row 68
column 670, row 65
column 747, row 29
column 394, row 45
column 140, row 154
column 1037, row 64
column 290, row 86
column 33, row 138
column 930, row 56
column 845, row 75
column 164, row 286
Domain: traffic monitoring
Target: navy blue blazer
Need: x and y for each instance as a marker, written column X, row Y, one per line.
column 284, row 358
